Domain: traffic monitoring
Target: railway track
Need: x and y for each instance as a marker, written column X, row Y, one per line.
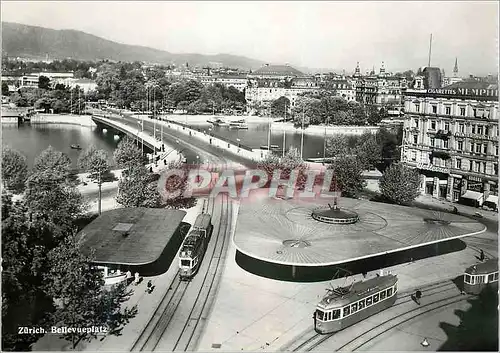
column 314, row 340
column 163, row 314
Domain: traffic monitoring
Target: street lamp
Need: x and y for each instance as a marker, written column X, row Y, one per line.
column 198, row 162
column 238, row 140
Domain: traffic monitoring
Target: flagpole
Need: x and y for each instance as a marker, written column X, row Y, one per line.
column 302, row 137
column 284, row 135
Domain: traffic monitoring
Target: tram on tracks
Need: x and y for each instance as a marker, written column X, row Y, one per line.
column 481, row 275
column 194, row 246
column 344, row 306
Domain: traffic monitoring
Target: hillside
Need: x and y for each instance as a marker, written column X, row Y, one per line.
column 20, row 40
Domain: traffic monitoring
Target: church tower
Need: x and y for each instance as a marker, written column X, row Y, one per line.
column 455, row 69
column 357, row 71
column 382, row 70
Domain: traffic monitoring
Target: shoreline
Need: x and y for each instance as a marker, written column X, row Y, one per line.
column 81, row 120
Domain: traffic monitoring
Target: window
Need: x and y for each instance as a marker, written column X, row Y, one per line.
column 415, row 138
column 389, row 292
column 434, row 109
column 417, row 108
column 484, row 167
column 472, row 146
column 473, row 129
column 447, row 126
column 354, row 307
column 319, row 315
column 462, row 111
column 472, row 280
column 416, row 123
column 336, row 314
column 467, row 278
column 477, row 166
column 460, row 145
column 491, row 277
column 382, row 295
column 478, row 148
column 458, row 163
column 369, row 301
column 496, row 150
column 480, row 279
column 479, row 130
column 433, row 125
column 375, row 298
column 445, row 143
column 447, row 110
column 461, row 128
column 413, row 156
column 474, row 112
column 347, row 311
column 433, row 141
column 486, row 131
column 496, row 276
column 485, row 148
column 185, row 263
column 495, row 168
column 470, row 166
column 361, row 304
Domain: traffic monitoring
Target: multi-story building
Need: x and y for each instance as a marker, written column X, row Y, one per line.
column 274, row 81
column 237, row 81
column 382, row 90
column 451, row 137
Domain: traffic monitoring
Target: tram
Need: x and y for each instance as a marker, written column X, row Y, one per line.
column 481, row 275
column 194, row 246
column 344, row 306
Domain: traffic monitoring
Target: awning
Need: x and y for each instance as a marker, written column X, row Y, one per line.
column 492, row 199
column 472, row 195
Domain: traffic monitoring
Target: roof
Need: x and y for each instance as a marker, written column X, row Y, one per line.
column 130, row 236
column 472, row 195
column 277, row 70
column 203, row 221
column 473, row 84
column 358, row 291
column 381, row 229
column 488, row 266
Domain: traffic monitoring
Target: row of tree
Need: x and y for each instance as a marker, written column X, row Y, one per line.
column 47, row 280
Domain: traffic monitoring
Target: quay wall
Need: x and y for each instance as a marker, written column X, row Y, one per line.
column 330, row 130
column 82, row 120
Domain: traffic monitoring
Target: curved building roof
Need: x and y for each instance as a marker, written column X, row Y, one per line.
column 277, row 70
column 284, row 231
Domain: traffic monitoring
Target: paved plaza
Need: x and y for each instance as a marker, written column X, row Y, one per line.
column 284, row 231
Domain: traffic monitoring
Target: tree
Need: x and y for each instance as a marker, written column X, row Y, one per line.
column 280, row 106
column 51, row 194
column 127, row 154
column 177, row 186
column 14, row 170
column 134, row 189
column 290, row 162
column 348, row 175
column 368, row 151
column 44, row 82
column 5, row 89
column 374, row 116
column 78, row 288
column 400, row 184
column 337, row 146
column 96, row 163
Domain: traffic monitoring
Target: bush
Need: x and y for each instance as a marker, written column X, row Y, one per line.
column 400, row 184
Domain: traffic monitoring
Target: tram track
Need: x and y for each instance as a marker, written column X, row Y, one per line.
column 168, row 305
column 314, row 339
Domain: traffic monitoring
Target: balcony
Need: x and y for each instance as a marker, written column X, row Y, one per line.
column 440, row 154
column 441, row 134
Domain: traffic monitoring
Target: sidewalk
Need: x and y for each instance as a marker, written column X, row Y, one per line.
column 448, row 206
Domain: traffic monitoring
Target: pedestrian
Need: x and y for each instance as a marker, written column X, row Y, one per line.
column 418, row 295
column 129, row 276
column 137, row 279
column 481, row 256
column 150, row 286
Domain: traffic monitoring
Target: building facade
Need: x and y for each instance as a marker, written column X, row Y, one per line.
column 450, row 135
column 380, row 90
column 274, row 81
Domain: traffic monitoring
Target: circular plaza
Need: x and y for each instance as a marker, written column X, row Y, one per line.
column 318, row 233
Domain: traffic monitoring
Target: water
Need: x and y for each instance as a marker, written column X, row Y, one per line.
column 31, row 140
column 257, row 135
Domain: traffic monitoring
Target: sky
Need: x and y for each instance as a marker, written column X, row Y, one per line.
column 324, row 34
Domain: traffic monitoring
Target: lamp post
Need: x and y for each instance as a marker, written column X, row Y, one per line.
column 238, row 140
column 324, row 141
column 302, row 137
column 284, row 134
column 198, row 163
column 269, row 130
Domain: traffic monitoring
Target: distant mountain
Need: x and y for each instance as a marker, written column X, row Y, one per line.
column 19, row 40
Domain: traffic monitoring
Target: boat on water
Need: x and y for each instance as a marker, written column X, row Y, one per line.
column 76, row 147
column 218, row 122
column 273, row 147
column 238, row 124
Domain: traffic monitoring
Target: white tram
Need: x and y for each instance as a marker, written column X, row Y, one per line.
column 481, row 275
column 343, row 307
column 194, row 246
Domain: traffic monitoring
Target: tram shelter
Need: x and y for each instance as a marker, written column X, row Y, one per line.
column 133, row 239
